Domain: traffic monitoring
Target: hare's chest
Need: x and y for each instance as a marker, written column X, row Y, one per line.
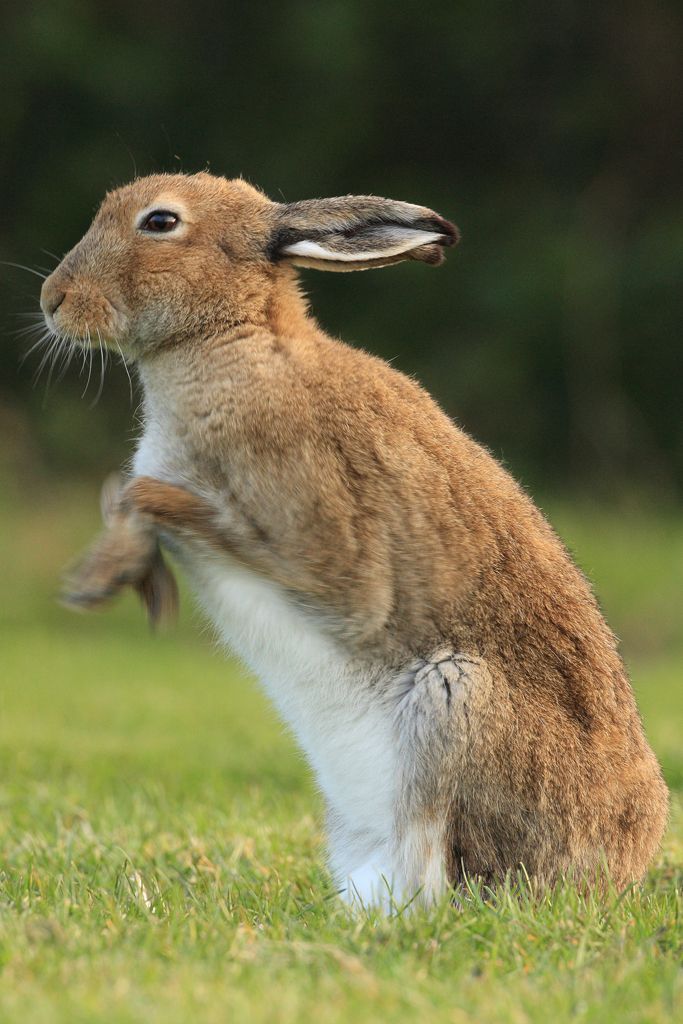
column 345, row 731
column 346, row 734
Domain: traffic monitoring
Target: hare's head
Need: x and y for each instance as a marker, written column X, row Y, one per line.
column 172, row 257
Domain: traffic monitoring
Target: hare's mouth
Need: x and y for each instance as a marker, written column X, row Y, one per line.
column 81, row 336
column 81, row 314
column 74, row 332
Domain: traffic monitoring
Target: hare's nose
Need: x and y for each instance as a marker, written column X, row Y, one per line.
column 51, row 298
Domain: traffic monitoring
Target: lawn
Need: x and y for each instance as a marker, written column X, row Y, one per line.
column 162, row 857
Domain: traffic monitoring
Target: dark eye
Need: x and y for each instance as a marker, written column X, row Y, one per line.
column 159, row 221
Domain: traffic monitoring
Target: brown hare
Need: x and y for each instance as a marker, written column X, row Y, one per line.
column 441, row 661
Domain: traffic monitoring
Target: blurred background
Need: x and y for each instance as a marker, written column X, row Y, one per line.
column 551, row 133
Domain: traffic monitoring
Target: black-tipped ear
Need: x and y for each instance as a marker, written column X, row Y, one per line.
column 359, row 232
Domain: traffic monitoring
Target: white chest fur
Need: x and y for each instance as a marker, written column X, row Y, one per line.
column 346, row 735
column 345, row 731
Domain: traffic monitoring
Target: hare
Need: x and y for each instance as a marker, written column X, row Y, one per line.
column 441, row 661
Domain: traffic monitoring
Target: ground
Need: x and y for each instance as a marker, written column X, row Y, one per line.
column 161, row 850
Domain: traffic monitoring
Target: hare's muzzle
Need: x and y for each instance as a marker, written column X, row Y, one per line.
column 51, row 297
column 77, row 310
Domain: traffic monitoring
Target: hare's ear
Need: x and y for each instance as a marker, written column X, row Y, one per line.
column 358, row 232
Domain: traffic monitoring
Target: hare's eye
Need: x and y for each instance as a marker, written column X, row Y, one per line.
column 160, row 221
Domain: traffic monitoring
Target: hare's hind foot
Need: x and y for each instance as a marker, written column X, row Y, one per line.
column 374, row 885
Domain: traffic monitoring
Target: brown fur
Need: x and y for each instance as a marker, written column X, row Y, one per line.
column 127, row 554
column 336, row 476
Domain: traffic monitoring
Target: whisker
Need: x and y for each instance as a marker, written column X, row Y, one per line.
column 20, row 266
column 51, row 340
column 68, row 354
column 84, row 360
column 51, row 348
column 102, row 368
column 36, row 344
column 125, row 366
column 22, row 331
column 89, row 359
column 61, row 357
column 56, row 352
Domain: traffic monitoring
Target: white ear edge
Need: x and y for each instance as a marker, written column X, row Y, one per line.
column 315, row 250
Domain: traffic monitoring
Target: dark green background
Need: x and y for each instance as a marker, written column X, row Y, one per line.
column 550, row 132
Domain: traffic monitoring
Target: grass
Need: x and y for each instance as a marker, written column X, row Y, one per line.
column 162, row 856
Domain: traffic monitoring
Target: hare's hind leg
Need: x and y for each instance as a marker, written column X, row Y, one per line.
column 433, row 722
column 432, row 707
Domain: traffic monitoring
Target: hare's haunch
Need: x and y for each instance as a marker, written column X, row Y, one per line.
column 441, row 661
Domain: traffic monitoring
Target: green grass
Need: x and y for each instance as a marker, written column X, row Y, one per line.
column 162, row 854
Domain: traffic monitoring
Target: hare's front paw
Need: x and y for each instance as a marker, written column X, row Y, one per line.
column 121, row 556
column 104, row 571
column 103, row 574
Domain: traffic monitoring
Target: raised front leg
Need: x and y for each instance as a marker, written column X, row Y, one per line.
column 127, row 553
